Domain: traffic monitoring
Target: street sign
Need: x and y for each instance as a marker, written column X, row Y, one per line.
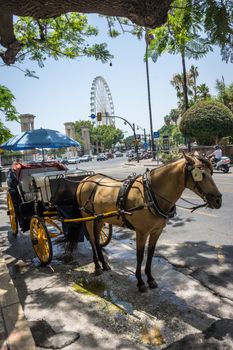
column 166, row 143
column 156, row 134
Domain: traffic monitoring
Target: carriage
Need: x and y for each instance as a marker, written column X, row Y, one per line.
column 41, row 198
column 143, row 203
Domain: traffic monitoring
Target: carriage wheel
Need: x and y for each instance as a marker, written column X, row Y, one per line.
column 12, row 214
column 41, row 240
column 105, row 235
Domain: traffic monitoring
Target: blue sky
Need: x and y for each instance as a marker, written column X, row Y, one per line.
column 62, row 92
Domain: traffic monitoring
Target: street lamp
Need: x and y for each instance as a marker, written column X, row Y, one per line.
column 132, row 126
column 147, row 38
column 144, row 132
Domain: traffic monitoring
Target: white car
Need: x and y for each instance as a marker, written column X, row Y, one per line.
column 73, row 160
column 86, row 158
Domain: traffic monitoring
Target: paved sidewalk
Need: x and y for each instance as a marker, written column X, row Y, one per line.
column 14, row 331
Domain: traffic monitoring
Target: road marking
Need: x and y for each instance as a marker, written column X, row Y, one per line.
column 200, row 213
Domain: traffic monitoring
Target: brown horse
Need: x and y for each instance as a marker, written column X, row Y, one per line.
column 148, row 203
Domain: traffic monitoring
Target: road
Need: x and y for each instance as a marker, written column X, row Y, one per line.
column 69, row 308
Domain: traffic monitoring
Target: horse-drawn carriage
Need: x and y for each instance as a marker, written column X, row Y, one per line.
column 41, row 198
column 143, row 203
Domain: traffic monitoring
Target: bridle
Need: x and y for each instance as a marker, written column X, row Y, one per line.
column 191, row 170
column 196, row 172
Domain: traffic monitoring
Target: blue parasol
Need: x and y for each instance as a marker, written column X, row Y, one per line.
column 39, row 138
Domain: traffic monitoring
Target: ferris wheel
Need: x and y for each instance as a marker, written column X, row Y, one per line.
column 101, row 101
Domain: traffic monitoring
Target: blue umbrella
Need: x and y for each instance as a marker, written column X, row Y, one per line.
column 39, row 138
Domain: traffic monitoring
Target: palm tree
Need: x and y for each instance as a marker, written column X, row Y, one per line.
column 193, row 77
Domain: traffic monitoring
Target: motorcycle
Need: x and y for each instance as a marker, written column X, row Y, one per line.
column 222, row 165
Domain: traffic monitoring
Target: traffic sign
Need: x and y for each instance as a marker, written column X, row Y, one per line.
column 156, row 134
column 166, row 143
column 92, row 116
column 145, row 145
column 138, row 137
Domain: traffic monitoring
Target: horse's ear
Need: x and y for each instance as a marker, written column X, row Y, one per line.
column 188, row 158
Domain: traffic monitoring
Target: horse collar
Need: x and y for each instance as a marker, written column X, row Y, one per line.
column 151, row 200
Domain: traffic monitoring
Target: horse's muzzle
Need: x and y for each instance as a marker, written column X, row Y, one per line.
column 214, row 201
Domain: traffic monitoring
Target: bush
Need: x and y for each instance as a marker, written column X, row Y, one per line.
column 207, row 122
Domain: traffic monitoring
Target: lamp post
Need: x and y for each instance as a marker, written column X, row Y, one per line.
column 144, row 132
column 132, row 126
column 147, row 38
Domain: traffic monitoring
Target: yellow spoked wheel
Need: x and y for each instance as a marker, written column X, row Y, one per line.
column 12, row 215
column 105, row 235
column 41, row 240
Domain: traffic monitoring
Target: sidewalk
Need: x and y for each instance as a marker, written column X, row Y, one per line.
column 145, row 163
column 14, row 331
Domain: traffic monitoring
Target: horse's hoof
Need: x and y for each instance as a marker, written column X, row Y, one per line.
column 152, row 284
column 106, row 267
column 98, row 271
column 142, row 288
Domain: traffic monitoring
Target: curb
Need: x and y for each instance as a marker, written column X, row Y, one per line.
column 14, row 330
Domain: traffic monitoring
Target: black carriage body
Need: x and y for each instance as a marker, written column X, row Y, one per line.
column 63, row 188
column 63, row 197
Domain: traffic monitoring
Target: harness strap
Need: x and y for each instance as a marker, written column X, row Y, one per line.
column 151, row 200
column 122, row 197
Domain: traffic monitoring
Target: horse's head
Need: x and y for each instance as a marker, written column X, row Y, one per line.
column 198, row 178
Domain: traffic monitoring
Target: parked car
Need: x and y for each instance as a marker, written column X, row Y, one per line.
column 118, row 154
column 73, row 160
column 109, row 155
column 64, row 161
column 101, row 156
column 86, row 158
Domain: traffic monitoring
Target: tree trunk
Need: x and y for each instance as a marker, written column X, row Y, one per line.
column 147, row 13
column 185, row 88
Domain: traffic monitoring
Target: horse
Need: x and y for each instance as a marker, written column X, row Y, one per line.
column 144, row 204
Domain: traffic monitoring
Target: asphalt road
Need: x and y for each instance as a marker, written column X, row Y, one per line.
column 191, row 308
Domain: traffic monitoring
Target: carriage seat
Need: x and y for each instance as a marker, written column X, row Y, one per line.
column 24, row 174
column 58, row 188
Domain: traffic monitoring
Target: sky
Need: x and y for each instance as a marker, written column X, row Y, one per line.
column 62, row 92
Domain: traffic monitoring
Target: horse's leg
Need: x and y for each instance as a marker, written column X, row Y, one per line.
column 151, row 248
column 90, row 229
column 97, row 229
column 140, row 246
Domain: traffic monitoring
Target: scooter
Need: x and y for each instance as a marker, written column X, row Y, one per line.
column 222, row 165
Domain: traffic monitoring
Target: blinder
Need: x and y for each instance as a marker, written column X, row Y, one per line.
column 197, row 174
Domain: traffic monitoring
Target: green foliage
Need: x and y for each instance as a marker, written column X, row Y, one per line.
column 195, row 92
column 181, row 33
column 108, row 135
column 169, row 157
column 225, row 94
column 174, row 134
column 188, row 21
column 6, row 104
column 8, row 110
column 64, row 36
column 207, row 122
